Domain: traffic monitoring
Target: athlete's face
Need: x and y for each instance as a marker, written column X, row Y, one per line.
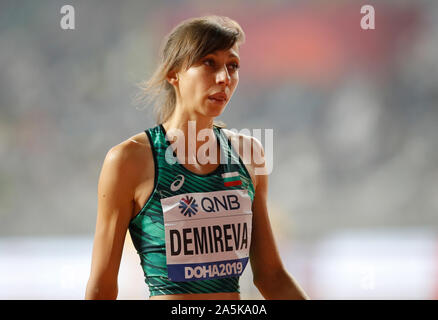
column 207, row 86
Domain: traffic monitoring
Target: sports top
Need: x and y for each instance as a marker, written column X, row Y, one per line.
column 194, row 232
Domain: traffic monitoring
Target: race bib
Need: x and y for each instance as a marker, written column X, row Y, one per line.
column 208, row 235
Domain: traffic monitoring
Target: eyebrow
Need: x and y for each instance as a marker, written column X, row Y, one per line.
column 230, row 55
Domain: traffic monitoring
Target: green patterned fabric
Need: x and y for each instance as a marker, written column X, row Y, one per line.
column 147, row 227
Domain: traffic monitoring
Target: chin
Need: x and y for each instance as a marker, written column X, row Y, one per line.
column 213, row 111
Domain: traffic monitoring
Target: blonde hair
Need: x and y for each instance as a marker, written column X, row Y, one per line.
column 188, row 42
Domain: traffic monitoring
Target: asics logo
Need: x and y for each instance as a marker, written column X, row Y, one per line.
column 177, row 184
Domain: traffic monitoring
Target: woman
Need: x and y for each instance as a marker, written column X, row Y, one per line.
column 194, row 223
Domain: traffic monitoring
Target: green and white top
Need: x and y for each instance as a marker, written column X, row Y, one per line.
column 193, row 234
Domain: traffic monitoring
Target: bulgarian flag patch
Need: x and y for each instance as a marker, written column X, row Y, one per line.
column 231, row 179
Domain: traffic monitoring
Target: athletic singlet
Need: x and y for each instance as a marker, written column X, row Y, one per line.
column 193, row 234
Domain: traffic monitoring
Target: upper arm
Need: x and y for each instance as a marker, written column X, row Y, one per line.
column 265, row 259
column 114, row 210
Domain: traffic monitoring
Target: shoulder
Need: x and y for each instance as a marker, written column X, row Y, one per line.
column 131, row 150
column 250, row 150
column 133, row 158
column 249, row 147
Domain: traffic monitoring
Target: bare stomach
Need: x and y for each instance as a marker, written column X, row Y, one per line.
column 199, row 296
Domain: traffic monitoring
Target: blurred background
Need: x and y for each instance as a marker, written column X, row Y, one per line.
column 353, row 195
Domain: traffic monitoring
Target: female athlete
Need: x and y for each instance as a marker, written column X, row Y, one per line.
column 194, row 223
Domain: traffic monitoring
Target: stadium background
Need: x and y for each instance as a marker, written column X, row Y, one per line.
column 353, row 195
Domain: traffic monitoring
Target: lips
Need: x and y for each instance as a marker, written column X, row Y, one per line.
column 219, row 96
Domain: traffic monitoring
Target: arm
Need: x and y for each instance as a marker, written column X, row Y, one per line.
column 115, row 206
column 269, row 275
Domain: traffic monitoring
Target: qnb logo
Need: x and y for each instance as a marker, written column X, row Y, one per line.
column 188, row 206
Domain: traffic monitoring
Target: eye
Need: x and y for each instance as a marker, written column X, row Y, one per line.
column 209, row 62
column 235, row 66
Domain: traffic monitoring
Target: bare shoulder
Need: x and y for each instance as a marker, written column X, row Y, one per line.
column 249, row 147
column 250, row 150
column 132, row 151
column 134, row 157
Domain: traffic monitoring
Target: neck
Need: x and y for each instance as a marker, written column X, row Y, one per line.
column 187, row 127
column 180, row 121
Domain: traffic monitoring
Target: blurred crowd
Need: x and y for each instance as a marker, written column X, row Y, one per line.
column 354, row 112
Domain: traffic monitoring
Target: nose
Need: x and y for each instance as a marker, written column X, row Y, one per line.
column 223, row 76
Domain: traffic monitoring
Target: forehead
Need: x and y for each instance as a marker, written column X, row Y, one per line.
column 230, row 53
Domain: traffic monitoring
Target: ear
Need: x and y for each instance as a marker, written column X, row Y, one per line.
column 172, row 77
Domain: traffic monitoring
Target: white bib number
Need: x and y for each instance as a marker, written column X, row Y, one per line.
column 208, row 235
